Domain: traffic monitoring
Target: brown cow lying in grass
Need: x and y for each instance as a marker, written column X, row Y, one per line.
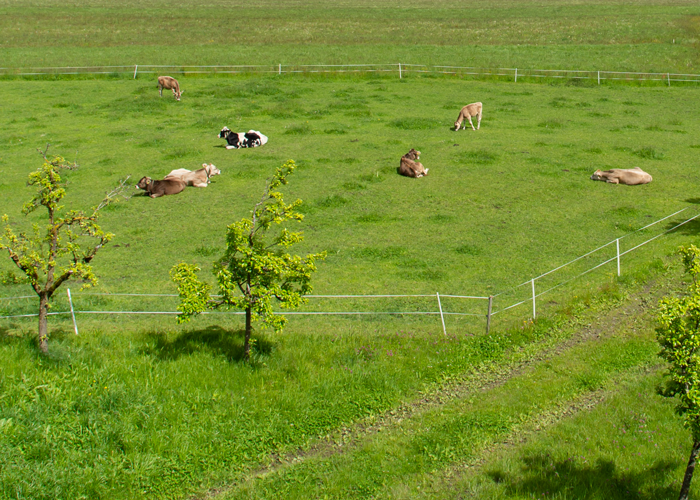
column 473, row 109
column 410, row 167
column 169, row 83
column 630, row 176
column 198, row 178
column 154, row 189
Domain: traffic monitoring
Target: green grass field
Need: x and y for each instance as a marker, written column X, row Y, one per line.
column 370, row 406
column 651, row 35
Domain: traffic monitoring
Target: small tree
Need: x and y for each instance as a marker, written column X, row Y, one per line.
column 60, row 249
column 678, row 334
column 255, row 267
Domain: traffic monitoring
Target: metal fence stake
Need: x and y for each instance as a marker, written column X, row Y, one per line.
column 72, row 312
column 280, row 70
column 534, row 307
column 442, row 317
column 136, row 68
column 400, row 76
column 618, row 256
column 516, row 75
column 488, row 315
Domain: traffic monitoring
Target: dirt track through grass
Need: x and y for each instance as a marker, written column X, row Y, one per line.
column 630, row 317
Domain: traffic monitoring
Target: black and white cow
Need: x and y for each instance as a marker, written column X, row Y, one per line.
column 249, row 139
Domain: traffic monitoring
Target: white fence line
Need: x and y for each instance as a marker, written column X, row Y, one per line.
column 441, row 312
column 401, row 70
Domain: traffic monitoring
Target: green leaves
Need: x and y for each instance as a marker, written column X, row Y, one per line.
column 678, row 334
column 194, row 294
column 62, row 248
column 255, row 268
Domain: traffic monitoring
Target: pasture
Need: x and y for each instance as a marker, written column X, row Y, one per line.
column 141, row 405
column 367, row 406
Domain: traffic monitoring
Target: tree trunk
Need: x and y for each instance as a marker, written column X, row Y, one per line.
column 248, row 329
column 43, row 324
column 685, row 489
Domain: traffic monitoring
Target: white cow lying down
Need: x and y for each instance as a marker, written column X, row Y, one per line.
column 629, row 176
column 198, row 178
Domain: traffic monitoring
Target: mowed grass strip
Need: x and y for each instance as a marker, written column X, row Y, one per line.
column 646, row 36
column 629, row 445
column 407, row 458
column 166, row 414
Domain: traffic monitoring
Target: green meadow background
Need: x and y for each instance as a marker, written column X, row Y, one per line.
column 370, row 406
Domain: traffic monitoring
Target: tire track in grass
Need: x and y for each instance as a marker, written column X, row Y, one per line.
column 485, row 380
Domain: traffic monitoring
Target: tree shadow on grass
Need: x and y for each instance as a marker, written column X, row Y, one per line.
column 544, row 477
column 691, row 228
column 694, row 201
column 213, row 339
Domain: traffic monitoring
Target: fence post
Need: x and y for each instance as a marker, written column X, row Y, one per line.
column 136, row 68
column 72, row 312
column 444, row 330
column 516, row 75
column 280, row 70
column 598, row 77
column 669, row 78
column 534, row 307
column 618, row 256
column 400, row 76
column 488, row 315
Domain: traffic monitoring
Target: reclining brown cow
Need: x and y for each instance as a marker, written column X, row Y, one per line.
column 155, row 189
column 409, row 165
column 629, row 176
column 198, row 178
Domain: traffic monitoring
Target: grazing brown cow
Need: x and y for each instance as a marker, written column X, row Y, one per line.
column 198, row 178
column 169, row 83
column 410, row 167
column 154, row 189
column 473, row 109
column 629, row 176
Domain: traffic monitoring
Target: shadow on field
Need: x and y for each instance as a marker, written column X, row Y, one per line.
column 691, row 228
column 543, row 477
column 694, row 201
column 213, row 339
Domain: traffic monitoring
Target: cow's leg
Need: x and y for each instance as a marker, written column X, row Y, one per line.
column 470, row 123
column 160, row 90
column 478, row 125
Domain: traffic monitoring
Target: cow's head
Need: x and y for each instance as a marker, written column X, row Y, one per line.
column 412, row 155
column 178, row 93
column 144, row 182
column 597, row 175
column 457, row 124
column 224, row 133
column 211, row 169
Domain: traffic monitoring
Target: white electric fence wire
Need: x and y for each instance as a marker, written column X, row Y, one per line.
column 594, row 251
column 531, row 281
column 399, row 68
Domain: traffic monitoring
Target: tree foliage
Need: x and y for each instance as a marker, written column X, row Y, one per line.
column 678, row 334
column 60, row 248
column 256, row 268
